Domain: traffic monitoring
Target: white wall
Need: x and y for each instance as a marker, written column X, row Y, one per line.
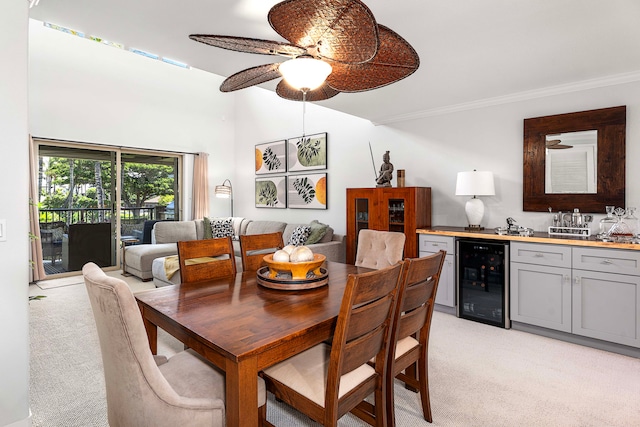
column 80, row 90
column 14, row 252
column 431, row 150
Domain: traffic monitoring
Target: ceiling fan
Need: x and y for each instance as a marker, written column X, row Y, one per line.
column 362, row 54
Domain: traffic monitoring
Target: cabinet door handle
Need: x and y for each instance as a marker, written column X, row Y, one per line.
column 567, row 279
column 577, row 280
column 435, row 244
column 539, row 255
column 607, row 262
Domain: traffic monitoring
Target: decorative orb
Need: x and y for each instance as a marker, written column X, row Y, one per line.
column 289, row 248
column 281, row 256
column 301, row 254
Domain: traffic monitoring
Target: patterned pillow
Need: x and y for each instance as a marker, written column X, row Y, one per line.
column 300, row 235
column 222, row 227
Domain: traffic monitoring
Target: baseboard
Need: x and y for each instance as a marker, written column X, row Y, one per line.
column 577, row 339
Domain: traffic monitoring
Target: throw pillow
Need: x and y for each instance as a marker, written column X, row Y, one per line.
column 207, row 228
column 318, row 231
column 222, row 227
column 300, row 235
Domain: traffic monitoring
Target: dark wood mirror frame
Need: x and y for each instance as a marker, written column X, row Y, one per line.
column 611, row 126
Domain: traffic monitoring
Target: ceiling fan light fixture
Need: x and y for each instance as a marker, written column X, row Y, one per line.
column 305, row 73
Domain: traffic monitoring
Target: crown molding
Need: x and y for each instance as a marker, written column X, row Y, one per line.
column 613, row 80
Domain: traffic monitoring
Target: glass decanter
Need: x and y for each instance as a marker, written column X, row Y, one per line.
column 607, row 222
column 620, row 230
column 631, row 220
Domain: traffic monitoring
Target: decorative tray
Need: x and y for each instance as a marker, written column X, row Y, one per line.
column 569, row 231
column 284, row 281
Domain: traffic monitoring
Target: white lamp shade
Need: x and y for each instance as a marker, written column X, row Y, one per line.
column 305, row 73
column 475, row 183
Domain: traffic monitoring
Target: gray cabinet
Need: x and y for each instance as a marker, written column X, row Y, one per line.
column 606, row 305
column 540, row 285
column 430, row 244
column 585, row 291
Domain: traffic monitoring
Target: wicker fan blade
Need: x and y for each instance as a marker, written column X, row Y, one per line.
column 559, row 147
column 251, row 77
column 340, row 30
column 395, row 60
column 243, row 44
column 323, row 92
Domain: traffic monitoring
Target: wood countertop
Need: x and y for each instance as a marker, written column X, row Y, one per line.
column 538, row 237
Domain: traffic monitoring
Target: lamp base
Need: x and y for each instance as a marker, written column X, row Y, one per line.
column 474, row 228
column 474, row 208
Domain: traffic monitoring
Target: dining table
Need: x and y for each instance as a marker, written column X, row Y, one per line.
column 243, row 327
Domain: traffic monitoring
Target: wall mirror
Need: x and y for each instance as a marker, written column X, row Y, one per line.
column 575, row 160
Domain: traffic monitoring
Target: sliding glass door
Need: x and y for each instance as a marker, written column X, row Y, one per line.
column 95, row 199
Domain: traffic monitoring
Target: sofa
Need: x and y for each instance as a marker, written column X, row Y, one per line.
column 146, row 261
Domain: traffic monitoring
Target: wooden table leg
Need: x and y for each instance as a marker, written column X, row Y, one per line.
column 242, row 393
column 152, row 331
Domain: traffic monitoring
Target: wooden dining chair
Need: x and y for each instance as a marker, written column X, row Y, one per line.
column 410, row 335
column 147, row 390
column 255, row 246
column 327, row 381
column 206, row 259
column 379, row 249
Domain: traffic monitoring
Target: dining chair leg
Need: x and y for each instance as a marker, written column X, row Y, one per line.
column 411, row 372
column 423, row 372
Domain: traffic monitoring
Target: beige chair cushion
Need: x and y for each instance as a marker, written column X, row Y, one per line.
column 379, row 249
column 306, row 373
column 405, row 345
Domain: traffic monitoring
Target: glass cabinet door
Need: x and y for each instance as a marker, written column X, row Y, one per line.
column 395, row 212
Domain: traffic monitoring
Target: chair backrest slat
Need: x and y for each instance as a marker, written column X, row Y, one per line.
column 221, row 249
column 255, row 246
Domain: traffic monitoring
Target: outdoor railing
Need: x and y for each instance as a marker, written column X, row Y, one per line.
column 128, row 217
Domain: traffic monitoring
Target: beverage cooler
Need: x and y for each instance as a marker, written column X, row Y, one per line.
column 483, row 281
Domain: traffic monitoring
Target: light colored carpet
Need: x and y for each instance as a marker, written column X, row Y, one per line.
column 480, row 375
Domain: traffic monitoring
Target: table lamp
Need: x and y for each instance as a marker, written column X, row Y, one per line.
column 475, row 183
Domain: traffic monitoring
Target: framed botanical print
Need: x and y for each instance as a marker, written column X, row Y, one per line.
column 271, row 192
column 271, row 157
column 307, row 153
column 307, row 191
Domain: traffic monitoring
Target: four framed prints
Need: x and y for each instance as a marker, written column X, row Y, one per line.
column 303, row 187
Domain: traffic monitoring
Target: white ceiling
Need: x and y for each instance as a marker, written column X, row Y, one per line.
column 471, row 51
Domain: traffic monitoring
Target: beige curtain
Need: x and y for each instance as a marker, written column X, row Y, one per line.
column 37, row 270
column 201, row 186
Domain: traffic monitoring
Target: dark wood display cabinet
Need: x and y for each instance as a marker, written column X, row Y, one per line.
column 403, row 209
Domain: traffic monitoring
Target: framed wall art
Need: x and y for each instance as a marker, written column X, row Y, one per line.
column 271, row 192
column 307, row 191
column 271, row 157
column 307, row 153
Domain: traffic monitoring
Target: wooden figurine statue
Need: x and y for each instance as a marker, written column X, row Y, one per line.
column 386, row 172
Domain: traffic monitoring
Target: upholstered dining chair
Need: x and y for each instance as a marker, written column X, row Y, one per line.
column 255, row 246
column 206, row 259
column 379, row 249
column 146, row 390
column 410, row 334
column 327, row 381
